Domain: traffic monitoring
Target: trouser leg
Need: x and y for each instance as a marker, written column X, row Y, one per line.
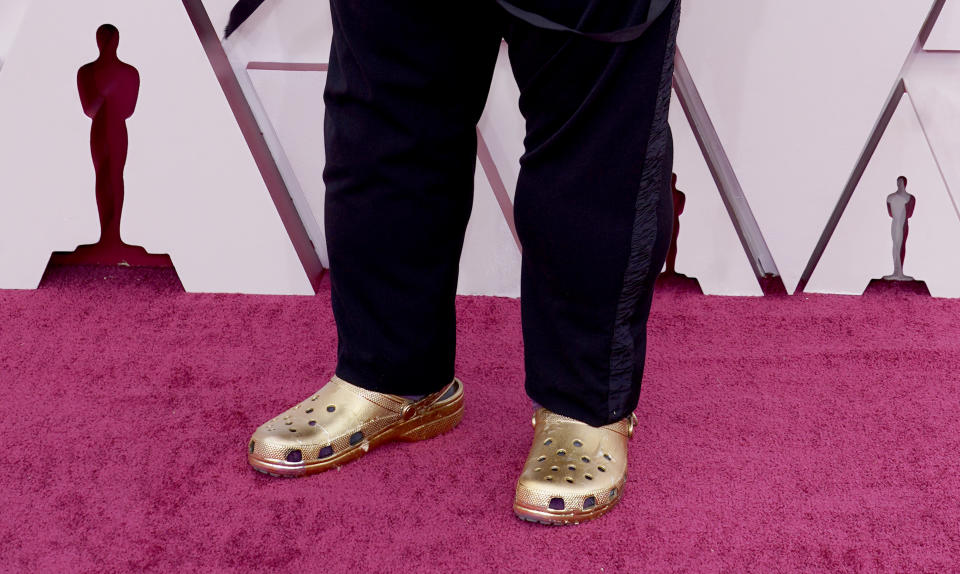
column 593, row 206
column 406, row 87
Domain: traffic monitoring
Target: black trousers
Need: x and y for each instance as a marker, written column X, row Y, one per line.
column 406, row 87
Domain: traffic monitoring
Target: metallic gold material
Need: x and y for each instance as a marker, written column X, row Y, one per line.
column 574, row 472
column 341, row 422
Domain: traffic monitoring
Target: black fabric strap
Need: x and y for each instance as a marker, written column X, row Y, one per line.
column 241, row 11
column 657, row 9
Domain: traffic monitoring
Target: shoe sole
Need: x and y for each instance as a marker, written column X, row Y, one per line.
column 560, row 518
column 432, row 423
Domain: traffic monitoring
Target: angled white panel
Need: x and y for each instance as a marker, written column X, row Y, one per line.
column 296, row 31
column 794, row 90
column 490, row 264
column 11, row 16
column 219, row 12
column 933, row 81
column 708, row 247
column 945, row 35
column 293, row 101
column 192, row 187
column 861, row 247
column 502, row 124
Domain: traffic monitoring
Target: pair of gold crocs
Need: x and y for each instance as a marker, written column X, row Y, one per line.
column 574, row 473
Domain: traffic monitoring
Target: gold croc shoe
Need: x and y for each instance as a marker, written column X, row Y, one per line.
column 341, row 422
column 575, row 472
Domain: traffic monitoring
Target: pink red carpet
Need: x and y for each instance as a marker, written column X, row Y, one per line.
column 805, row 433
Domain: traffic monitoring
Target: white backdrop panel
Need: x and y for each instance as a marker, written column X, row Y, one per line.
column 490, row 264
column 296, row 31
column 794, row 89
column 793, row 114
column 502, row 124
column 861, row 247
column 946, row 33
column 294, row 103
column 193, row 189
column 708, row 247
column 933, row 81
column 293, row 100
column 11, row 15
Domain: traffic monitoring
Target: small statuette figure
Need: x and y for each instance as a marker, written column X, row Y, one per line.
column 679, row 201
column 108, row 91
column 900, row 206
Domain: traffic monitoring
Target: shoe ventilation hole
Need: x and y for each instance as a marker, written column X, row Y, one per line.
column 325, row 452
column 356, row 438
column 577, row 443
column 294, row 456
column 561, row 452
column 538, row 469
column 312, row 423
column 253, row 444
column 613, row 493
column 541, row 459
column 288, row 423
column 331, row 408
column 571, row 467
column 569, row 479
column 602, row 468
column 557, row 504
column 308, row 411
column 555, row 468
column 313, row 398
column 548, row 478
column 585, row 458
column 588, row 476
column 589, row 502
column 548, row 442
column 607, row 456
column 293, row 430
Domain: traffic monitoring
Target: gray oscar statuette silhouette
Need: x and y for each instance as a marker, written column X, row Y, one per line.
column 900, row 206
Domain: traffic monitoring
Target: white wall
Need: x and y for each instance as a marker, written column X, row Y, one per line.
column 11, row 15
column 789, row 102
column 862, row 248
column 298, row 32
column 193, row 189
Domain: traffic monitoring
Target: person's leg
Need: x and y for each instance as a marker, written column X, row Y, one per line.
column 593, row 204
column 406, row 87
column 594, row 214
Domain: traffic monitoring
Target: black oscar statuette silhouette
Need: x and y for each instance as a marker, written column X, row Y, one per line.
column 679, row 202
column 109, row 89
column 670, row 275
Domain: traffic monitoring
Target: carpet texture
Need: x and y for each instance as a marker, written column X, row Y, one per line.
column 808, row 433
